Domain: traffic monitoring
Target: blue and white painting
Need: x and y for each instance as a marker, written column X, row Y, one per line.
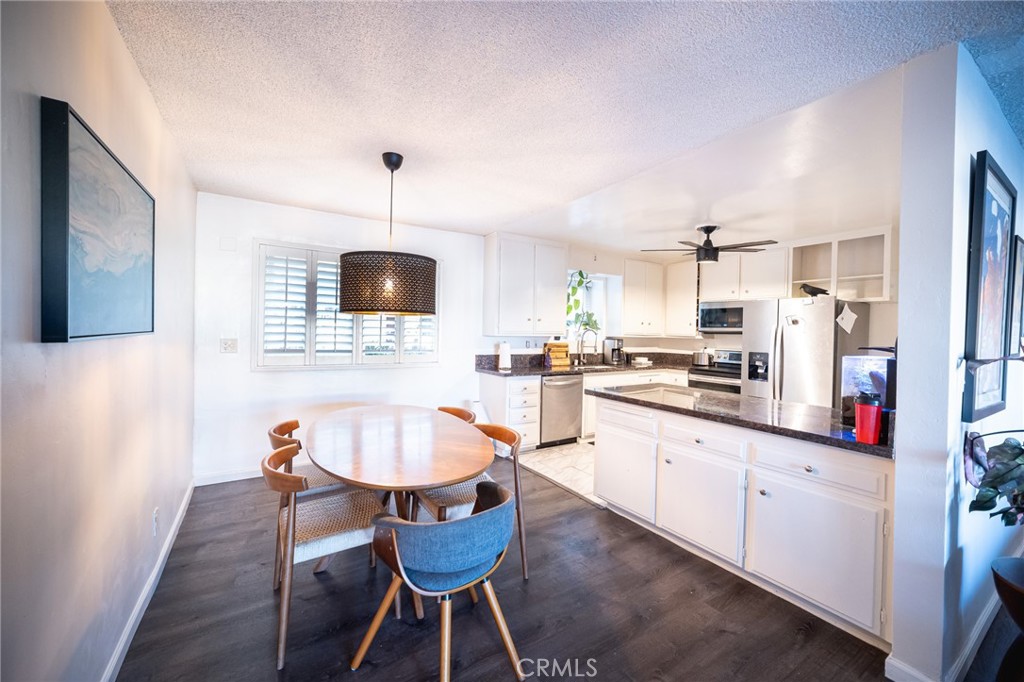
column 110, row 242
column 992, row 310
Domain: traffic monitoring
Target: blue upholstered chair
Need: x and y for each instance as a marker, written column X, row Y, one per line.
column 439, row 559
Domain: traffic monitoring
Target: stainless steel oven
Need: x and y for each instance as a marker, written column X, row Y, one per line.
column 723, row 375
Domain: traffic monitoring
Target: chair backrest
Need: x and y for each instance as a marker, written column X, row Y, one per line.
column 503, row 434
column 443, row 556
column 283, row 482
column 281, row 434
column 460, row 412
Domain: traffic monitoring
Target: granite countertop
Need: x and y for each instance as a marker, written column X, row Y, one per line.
column 793, row 420
column 579, row 369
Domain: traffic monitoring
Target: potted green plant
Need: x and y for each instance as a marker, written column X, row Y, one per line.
column 578, row 318
column 998, row 474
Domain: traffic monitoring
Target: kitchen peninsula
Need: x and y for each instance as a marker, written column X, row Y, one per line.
column 778, row 493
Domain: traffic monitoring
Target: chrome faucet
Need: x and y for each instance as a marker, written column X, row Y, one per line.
column 580, row 354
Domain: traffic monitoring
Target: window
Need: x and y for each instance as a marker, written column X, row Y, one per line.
column 298, row 322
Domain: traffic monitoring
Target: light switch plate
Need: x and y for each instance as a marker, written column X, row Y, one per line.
column 229, row 345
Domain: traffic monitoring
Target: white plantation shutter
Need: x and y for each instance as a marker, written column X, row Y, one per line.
column 334, row 331
column 299, row 323
column 283, row 333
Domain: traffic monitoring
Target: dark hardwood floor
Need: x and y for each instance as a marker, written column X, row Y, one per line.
column 600, row 588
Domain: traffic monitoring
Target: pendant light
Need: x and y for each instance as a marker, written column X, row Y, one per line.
column 391, row 282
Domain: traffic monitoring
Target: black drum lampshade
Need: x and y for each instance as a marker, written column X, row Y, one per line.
column 391, row 282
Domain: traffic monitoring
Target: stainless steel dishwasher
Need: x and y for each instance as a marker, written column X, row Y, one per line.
column 561, row 409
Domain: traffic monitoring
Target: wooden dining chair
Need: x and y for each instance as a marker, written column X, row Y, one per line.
column 440, row 559
column 320, row 482
column 460, row 412
column 456, row 501
column 318, row 527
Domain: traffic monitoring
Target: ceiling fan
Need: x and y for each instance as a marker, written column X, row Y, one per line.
column 708, row 252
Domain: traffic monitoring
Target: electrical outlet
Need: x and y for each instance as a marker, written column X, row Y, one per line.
column 229, row 345
column 156, row 520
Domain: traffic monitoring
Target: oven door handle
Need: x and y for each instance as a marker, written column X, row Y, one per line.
column 714, row 380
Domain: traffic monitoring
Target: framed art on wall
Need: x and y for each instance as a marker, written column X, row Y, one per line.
column 98, row 225
column 1017, row 300
column 989, row 288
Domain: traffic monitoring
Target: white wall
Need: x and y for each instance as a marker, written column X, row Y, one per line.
column 96, row 434
column 235, row 404
column 942, row 589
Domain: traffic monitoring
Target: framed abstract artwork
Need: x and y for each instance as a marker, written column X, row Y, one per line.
column 98, row 224
column 989, row 288
column 1017, row 300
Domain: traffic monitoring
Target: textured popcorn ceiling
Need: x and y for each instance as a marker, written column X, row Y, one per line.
column 518, row 114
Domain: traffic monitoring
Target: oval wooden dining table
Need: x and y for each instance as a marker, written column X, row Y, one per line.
column 398, row 447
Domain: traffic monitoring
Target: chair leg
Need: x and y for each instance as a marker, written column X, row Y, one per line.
column 378, row 618
column 277, row 559
column 522, row 538
column 284, row 610
column 446, row 638
column 373, row 557
column 499, row 619
column 322, row 563
column 474, row 597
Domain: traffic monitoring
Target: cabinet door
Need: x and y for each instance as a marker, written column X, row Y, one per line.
column 681, row 299
column 551, row 273
column 763, row 275
column 634, row 292
column 701, row 500
column 720, row 281
column 624, row 469
column 654, row 299
column 818, row 544
column 515, row 287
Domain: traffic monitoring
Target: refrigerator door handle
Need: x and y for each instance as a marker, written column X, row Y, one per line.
column 777, row 350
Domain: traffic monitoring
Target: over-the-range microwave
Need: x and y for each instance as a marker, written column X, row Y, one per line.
column 720, row 318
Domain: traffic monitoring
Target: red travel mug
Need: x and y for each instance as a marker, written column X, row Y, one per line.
column 868, row 417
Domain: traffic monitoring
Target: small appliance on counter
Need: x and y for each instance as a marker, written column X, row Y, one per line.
column 703, row 358
column 613, row 354
column 504, row 357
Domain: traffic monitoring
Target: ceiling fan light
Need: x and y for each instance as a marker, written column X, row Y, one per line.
column 707, row 255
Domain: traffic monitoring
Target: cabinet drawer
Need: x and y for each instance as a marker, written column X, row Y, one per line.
column 524, row 415
column 823, row 467
column 523, row 387
column 529, row 432
column 705, row 441
column 519, row 401
column 638, row 419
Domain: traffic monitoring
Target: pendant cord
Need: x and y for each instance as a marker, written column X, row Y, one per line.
column 391, row 210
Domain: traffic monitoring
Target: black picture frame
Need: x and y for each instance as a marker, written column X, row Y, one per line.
column 989, row 287
column 98, row 226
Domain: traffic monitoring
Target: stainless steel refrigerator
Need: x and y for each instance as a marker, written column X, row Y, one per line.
column 793, row 348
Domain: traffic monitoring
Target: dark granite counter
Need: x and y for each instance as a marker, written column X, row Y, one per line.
column 581, row 369
column 792, row 420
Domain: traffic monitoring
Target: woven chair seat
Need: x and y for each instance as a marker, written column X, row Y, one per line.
column 457, row 499
column 332, row 523
column 319, row 482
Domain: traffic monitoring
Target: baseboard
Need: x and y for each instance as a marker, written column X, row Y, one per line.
column 898, row 671
column 226, row 476
column 114, row 666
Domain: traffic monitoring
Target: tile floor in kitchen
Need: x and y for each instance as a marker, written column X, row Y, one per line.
column 569, row 466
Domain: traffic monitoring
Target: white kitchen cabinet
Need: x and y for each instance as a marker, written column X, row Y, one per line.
column 625, row 456
column 515, row 402
column 747, row 276
column 524, row 286
column 681, row 299
column 643, row 299
column 822, row 545
column 701, row 499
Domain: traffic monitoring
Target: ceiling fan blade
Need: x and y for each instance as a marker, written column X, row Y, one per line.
column 729, row 249
column 682, row 250
column 742, row 245
column 691, row 245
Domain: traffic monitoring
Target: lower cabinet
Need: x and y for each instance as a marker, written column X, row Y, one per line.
column 625, row 462
column 819, row 544
column 701, row 499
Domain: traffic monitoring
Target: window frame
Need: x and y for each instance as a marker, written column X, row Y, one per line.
column 307, row 359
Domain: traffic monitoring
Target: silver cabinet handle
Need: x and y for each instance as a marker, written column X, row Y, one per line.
column 763, row 492
column 668, row 461
column 698, row 441
column 808, row 468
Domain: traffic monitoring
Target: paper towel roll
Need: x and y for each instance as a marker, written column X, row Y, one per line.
column 504, row 357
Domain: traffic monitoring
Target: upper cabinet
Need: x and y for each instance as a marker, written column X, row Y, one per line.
column 746, row 276
column 643, row 299
column 681, row 299
column 853, row 267
column 524, row 286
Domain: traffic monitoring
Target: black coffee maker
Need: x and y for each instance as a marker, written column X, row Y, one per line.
column 613, row 354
